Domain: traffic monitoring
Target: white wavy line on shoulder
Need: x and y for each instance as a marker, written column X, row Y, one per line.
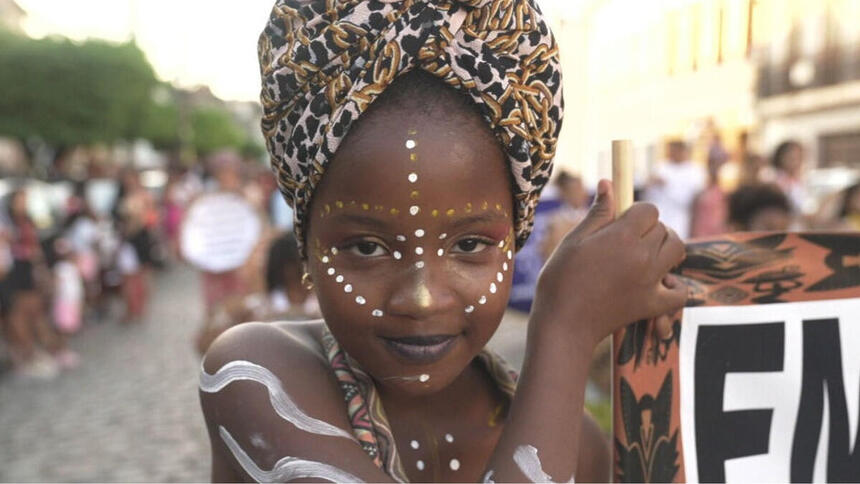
column 287, row 468
column 281, row 402
column 529, row 463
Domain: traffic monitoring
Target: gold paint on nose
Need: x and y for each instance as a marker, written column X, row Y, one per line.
column 422, row 295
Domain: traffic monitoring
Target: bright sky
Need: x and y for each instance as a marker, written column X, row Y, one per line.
column 188, row 42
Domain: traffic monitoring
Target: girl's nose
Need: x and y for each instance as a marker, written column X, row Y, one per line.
column 422, row 293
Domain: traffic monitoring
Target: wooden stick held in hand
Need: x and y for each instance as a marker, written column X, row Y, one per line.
column 622, row 174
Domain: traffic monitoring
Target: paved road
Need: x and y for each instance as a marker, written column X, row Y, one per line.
column 130, row 412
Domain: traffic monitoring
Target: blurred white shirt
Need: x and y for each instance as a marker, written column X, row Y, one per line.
column 681, row 182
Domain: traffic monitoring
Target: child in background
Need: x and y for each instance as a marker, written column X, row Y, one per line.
column 68, row 297
column 413, row 139
column 759, row 207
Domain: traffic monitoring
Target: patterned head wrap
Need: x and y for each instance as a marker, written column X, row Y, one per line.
column 323, row 62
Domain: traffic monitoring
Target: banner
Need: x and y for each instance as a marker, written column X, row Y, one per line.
column 760, row 379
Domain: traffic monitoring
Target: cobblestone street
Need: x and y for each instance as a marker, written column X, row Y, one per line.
column 128, row 413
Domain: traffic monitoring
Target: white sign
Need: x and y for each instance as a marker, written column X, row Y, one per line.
column 771, row 393
column 219, row 232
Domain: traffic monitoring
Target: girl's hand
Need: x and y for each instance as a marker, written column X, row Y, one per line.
column 607, row 273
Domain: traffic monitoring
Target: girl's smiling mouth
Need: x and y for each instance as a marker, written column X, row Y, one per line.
column 421, row 349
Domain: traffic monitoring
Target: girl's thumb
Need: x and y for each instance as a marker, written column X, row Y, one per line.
column 602, row 211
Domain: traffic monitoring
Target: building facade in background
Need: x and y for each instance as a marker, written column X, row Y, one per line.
column 654, row 71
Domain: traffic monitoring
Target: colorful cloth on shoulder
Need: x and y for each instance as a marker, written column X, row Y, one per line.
column 364, row 407
column 323, row 62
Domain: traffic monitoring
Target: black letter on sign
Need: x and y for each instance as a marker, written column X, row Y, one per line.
column 726, row 435
column 822, row 372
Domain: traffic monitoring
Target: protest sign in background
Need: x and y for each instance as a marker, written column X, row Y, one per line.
column 760, row 379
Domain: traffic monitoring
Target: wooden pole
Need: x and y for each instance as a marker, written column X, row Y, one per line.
column 622, row 185
column 622, row 174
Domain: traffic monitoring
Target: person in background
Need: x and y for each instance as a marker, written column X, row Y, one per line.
column 68, row 295
column 759, row 208
column 709, row 207
column 788, row 162
column 81, row 234
column 574, row 207
column 37, row 351
column 674, row 186
column 286, row 298
column 137, row 217
column 849, row 214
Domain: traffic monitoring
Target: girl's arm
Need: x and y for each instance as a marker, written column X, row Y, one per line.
column 275, row 413
column 603, row 275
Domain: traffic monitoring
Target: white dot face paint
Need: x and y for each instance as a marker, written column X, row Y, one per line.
column 454, row 464
column 347, row 288
column 482, row 300
column 419, row 264
column 504, row 266
column 413, row 177
column 501, row 243
column 339, row 279
column 334, row 251
column 419, row 233
column 330, row 271
column 499, row 277
column 401, row 238
column 410, row 144
column 413, row 210
column 492, row 288
column 420, row 465
column 440, row 252
column 376, row 313
column 449, row 438
column 470, row 309
column 414, row 444
column 424, row 378
column 360, row 300
column 325, row 259
column 510, row 255
column 397, row 255
column 442, row 237
column 419, row 250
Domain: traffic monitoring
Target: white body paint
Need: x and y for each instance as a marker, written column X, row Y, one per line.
column 454, row 464
column 287, row 468
column 281, row 402
column 529, row 463
column 488, row 477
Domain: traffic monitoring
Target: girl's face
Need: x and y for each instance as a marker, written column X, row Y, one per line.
column 410, row 247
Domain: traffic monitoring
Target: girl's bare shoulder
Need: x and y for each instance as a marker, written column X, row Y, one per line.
column 281, row 344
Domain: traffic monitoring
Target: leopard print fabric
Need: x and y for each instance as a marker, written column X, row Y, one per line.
column 323, row 62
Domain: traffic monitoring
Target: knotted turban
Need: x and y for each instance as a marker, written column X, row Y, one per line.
column 323, row 62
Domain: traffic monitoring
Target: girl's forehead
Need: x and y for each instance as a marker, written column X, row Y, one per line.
column 408, row 166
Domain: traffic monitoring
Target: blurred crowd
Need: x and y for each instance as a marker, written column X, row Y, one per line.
column 741, row 191
column 77, row 254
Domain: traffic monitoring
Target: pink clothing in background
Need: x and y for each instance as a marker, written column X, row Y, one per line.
column 709, row 213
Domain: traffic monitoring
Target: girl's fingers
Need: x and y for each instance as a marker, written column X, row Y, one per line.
column 670, row 299
column 642, row 216
column 671, row 253
column 663, row 326
column 601, row 213
column 656, row 238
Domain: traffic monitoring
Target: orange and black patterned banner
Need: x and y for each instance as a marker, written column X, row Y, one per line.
column 760, row 379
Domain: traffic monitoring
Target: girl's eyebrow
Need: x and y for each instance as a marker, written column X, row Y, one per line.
column 478, row 219
column 360, row 219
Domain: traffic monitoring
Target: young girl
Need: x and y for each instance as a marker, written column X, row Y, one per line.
column 413, row 138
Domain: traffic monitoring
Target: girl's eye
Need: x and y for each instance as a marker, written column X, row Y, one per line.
column 366, row 248
column 471, row 245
